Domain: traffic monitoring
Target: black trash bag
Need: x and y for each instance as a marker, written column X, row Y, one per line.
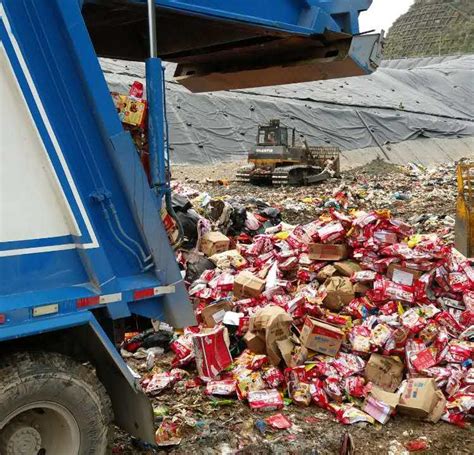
column 189, row 223
column 238, row 218
column 272, row 213
column 180, row 203
column 196, row 266
column 160, row 339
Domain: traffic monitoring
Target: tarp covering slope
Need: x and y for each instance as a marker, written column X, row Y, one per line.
column 403, row 100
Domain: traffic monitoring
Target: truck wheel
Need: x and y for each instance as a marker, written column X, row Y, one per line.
column 52, row 405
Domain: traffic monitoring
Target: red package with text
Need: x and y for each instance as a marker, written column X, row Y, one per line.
column 446, row 320
column 366, row 219
column 422, row 266
column 183, row 348
column 359, row 307
column 442, row 278
column 424, row 359
column 289, row 264
column 459, row 282
column 456, row 418
column 319, row 396
column 359, row 337
column 364, row 276
column 159, row 382
column 380, row 334
column 226, row 387
column 348, row 364
column 273, row 377
column 468, row 299
column 395, row 291
column 439, row 374
column 385, row 237
column 265, row 400
column 459, row 351
column 211, row 352
column 331, row 232
column 348, row 414
column 412, row 347
column 257, row 362
column 454, row 382
column 412, row 320
column 466, row 318
column 355, row 386
column 389, row 308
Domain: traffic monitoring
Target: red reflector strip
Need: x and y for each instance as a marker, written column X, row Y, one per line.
column 88, row 301
column 3, row 319
column 143, row 293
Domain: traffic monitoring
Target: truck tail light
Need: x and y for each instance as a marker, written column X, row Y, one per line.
column 3, row 319
column 88, row 301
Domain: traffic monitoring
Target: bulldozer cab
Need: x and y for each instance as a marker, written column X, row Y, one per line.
column 272, row 135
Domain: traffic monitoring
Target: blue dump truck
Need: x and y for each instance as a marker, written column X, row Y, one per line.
column 82, row 245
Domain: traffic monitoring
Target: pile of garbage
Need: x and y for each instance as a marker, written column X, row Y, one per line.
column 352, row 312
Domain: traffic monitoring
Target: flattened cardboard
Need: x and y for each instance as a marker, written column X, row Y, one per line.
column 213, row 243
column 340, row 292
column 246, row 284
column 347, row 268
column 439, row 408
column 321, row 337
column 402, row 275
column 384, row 371
column 327, row 252
column 213, row 314
column 418, row 397
column 388, row 398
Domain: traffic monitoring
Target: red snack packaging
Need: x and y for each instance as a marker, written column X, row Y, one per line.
column 278, row 422
column 211, row 352
column 355, row 386
column 273, row 377
column 265, row 400
column 226, row 387
column 319, row 395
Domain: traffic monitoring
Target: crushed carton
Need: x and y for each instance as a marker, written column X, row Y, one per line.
column 213, row 314
column 321, row 337
column 213, row 243
column 275, row 323
column 389, row 398
column 384, row 371
column 439, row 408
column 211, row 352
column 327, row 252
column 418, row 398
column 347, row 268
column 292, row 354
column 339, row 292
column 246, row 284
column 402, row 275
column 255, row 343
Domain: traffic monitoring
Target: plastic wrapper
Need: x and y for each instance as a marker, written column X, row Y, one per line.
column 278, row 422
column 225, row 387
column 265, row 400
column 355, row 386
column 273, row 377
column 348, row 415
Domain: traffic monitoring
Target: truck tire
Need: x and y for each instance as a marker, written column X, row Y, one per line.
column 52, row 405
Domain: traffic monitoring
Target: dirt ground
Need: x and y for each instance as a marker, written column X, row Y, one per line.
column 213, row 427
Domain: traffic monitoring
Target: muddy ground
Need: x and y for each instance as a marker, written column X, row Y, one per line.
column 209, row 427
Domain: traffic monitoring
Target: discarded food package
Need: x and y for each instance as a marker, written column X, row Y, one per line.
column 228, row 259
column 321, row 337
column 418, row 397
column 131, row 111
column 384, row 371
column 214, row 242
column 377, row 409
column 211, row 352
column 265, row 400
column 213, row 314
column 339, row 292
column 347, row 268
column 246, row 284
column 327, row 251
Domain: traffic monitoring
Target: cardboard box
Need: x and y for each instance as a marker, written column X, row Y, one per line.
column 340, row 292
column 327, row 252
column 275, row 323
column 293, row 355
column 212, row 353
column 214, row 242
column 213, row 314
column 388, row 398
column 321, row 337
column 418, row 398
column 325, row 273
column 246, row 284
column 347, row 268
column 384, row 371
column 228, row 259
column 439, row 408
column 402, row 275
column 255, row 343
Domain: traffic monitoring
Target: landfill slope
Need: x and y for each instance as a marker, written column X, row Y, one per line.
column 401, row 101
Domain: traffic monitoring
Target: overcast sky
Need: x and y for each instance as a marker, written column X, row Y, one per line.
column 383, row 13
